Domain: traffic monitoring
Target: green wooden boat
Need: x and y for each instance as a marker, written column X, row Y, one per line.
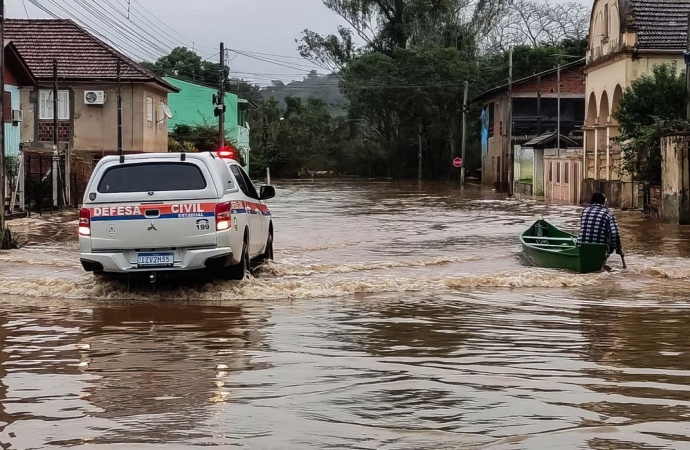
column 546, row 246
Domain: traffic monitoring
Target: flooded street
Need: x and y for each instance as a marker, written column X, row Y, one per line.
column 394, row 317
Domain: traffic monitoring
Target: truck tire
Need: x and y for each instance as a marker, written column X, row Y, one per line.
column 240, row 270
column 268, row 253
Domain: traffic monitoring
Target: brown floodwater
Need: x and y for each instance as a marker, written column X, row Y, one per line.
column 395, row 317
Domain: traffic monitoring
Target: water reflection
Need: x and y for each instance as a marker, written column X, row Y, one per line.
column 169, row 363
column 396, row 317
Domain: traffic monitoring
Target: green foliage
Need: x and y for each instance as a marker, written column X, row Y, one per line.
column 653, row 105
column 528, row 60
column 197, row 138
column 306, row 138
column 406, row 81
column 185, row 64
column 396, row 93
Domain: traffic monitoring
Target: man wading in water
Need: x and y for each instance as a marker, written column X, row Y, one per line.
column 599, row 226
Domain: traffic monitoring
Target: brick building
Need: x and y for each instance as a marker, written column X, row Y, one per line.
column 534, row 101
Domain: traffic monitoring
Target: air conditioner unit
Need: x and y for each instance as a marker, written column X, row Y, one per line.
column 94, row 97
column 17, row 115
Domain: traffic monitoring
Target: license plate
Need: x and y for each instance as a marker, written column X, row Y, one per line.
column 155, row 259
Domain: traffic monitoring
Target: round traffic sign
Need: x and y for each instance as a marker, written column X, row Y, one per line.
column 457, row 162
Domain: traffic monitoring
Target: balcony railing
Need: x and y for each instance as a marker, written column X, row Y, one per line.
column 607, row 47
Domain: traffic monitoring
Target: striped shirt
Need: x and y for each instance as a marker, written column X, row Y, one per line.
column 598, row 225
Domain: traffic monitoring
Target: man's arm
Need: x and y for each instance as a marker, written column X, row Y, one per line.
column 615, row 235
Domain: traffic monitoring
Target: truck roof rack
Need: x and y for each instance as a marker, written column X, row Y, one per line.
column 122, row 159
column 183, row 156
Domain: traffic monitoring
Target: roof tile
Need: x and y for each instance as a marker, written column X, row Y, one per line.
column 79, row 54
column 660, row 24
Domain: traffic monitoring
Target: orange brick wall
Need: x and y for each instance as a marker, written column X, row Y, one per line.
column 572, row 82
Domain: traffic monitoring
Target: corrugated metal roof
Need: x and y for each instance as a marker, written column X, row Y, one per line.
column 80, row 55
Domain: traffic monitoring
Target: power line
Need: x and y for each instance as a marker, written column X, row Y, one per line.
column 154, row 16
column 25, row 10
column 118, row 27
column 79, row 19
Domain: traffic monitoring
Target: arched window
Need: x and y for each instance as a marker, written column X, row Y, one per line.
column 606, row 21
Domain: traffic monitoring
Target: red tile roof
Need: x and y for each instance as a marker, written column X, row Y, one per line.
column 80, row 55
column 660, row 24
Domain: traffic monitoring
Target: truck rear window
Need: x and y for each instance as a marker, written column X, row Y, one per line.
column 152, row 177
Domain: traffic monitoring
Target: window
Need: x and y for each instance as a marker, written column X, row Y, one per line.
column 45, row 105
column 566, row 174
column 152, row 177
column 244, row 182
column 149, row 112
column 558, row 172
column 550, row 172
column 606, row 22
column 250, row 185
column 240, row 181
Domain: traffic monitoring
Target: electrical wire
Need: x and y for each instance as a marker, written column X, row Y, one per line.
column 79, row 19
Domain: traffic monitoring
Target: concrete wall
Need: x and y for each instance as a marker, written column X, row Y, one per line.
column 620, row 194
column 538, row 182
column 94, row 127
column 491, row 166
column 675, row 179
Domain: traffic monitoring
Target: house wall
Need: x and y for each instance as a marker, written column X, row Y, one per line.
column 94, row 127
column 572, row 82
column 572, row 93
column 675, row 179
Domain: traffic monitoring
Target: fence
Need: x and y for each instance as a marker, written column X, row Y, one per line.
column 45, row 190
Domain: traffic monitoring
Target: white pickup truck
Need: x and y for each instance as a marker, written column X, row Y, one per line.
column 161, row 212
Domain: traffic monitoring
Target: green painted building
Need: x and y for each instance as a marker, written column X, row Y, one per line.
column 193, row 105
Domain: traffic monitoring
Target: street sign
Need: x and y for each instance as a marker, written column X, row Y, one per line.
column 457, row 162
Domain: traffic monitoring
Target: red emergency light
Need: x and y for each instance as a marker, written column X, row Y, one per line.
column 226, row 152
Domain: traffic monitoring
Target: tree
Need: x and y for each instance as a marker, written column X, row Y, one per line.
column 654, row 104
column 384, row 25
column 529, row 60
column 534, row 23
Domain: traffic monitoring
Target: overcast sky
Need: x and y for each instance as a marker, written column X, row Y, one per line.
column 263, row 26
column 260, row 26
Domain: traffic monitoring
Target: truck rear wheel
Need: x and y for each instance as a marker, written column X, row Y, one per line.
column 240, row 270
column 267, row 255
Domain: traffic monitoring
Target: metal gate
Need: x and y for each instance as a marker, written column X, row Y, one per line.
column 45, row 188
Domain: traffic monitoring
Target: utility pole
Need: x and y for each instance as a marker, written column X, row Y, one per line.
column 56, row 157
column 419, row 154
column 687, row 71
column 558, row 113
column 539, row 106
column 509, row 125
column 119, row 109
column 2, row 125
column 221, row 97
column 464, row 134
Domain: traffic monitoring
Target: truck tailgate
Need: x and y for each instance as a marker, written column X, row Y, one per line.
column 146, row 226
